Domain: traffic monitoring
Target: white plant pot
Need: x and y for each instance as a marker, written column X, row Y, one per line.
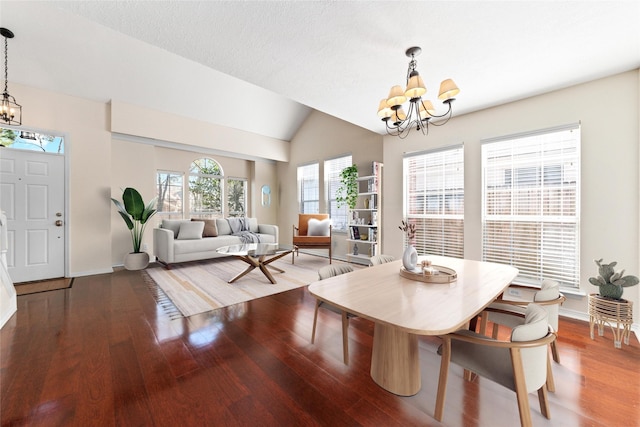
column 136, row 260
column 410, row 258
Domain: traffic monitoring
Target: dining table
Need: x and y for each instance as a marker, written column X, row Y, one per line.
column 403, row 307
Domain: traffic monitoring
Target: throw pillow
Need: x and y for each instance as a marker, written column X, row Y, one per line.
column 317, row 227
column 210, row 228
column 173, row 225
column 191, row 230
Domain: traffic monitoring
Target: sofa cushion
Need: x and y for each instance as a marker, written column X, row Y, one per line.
column 253, row 224
column 223, row 227
column 318, row 227
column 173, row 225
column 191, row 230
column 210, row 227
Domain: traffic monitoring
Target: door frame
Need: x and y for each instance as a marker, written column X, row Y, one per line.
column 66, row 157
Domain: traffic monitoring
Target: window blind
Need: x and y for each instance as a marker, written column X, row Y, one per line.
column 309, row 188
column 530, row 213
column 434, row 200
column 332, row 169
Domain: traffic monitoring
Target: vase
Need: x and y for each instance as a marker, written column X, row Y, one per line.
column 136, row 260
column 410, row 258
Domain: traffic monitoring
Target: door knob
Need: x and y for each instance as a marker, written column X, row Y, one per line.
column 59, row 223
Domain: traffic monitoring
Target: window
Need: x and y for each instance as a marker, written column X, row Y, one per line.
column 33, row 141
column 205, row 189
column 309, row 188
column 237, row 197
column 434, row 200
column 332, row 169
column 170, row 194
column 530, row 213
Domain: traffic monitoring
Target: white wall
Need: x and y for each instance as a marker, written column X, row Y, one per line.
column 608, row 110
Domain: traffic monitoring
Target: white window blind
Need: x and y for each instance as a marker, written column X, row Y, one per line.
column 309, row 188
column 332, row 169
column 531, row 189
column 434, row 200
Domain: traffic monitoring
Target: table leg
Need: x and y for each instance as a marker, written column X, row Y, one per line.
column 252, row 265
column 395, row 363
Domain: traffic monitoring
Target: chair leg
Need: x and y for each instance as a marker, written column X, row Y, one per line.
column 442, row 380
column 329, row 254
column 484, row 318
column 315, row 320
column 494, row 333
column 551, row 385
column 345, row 337
column 554, row 351
column 521, row 388
column 544, row 402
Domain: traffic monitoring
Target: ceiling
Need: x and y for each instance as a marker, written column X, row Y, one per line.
column 262, row 66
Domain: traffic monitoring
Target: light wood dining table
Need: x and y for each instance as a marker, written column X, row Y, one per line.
column 403, row 308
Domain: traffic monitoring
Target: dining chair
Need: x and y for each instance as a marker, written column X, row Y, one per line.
column 511, row 313
column 312, row 232
column 520, row 364
column 380, row 259
column 325, row 273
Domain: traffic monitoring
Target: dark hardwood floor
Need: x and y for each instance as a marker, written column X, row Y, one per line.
column 107, row 352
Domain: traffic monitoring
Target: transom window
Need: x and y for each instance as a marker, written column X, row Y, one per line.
column 531, row 207
column 434, row 200
column 31, row 140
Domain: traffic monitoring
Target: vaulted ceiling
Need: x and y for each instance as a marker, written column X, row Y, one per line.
column 262, row 66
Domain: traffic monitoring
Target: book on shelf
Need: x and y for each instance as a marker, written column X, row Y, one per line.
column 355, row 233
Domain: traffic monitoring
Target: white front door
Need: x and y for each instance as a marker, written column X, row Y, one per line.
column 32, row 197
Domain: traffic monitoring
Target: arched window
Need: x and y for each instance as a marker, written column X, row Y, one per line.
column 205, row 189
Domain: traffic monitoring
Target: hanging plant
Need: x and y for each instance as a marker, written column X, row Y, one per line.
column 347, row 191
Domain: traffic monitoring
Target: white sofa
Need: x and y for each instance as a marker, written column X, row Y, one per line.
column 180, row 241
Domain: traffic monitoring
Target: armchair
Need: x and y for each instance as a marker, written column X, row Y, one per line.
column 520, row 364
column 312, row 232
column 324, row 273
column 511, row 313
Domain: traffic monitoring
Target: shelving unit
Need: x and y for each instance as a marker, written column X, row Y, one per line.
column 366, row 218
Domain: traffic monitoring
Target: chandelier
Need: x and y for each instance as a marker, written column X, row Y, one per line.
column 10, row 110
column 420, row 112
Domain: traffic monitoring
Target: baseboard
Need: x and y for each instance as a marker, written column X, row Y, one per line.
column 91, row 273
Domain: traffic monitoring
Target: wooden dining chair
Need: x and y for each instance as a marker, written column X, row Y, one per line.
column 521, row 364
column 511, row 313
column 324, row 273
column 380, row 259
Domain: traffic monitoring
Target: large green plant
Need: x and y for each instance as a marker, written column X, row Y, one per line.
column 135, row 214
column 347, row 191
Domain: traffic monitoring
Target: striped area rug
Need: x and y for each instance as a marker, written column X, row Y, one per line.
column 200, row 286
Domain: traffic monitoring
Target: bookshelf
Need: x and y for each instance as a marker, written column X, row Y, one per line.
column 365, row 218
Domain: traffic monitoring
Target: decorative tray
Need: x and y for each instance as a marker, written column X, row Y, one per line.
column 442, row 274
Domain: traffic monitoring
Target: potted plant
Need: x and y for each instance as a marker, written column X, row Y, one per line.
column 610, row 283
column 135, row 215
column 347, row 191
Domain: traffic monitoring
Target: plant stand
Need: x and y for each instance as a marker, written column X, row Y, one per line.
column 617, row 314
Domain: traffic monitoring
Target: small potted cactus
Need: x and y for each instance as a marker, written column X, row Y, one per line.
column 611, row 283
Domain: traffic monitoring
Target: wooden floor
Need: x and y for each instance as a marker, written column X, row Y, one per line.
column 105, row 352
